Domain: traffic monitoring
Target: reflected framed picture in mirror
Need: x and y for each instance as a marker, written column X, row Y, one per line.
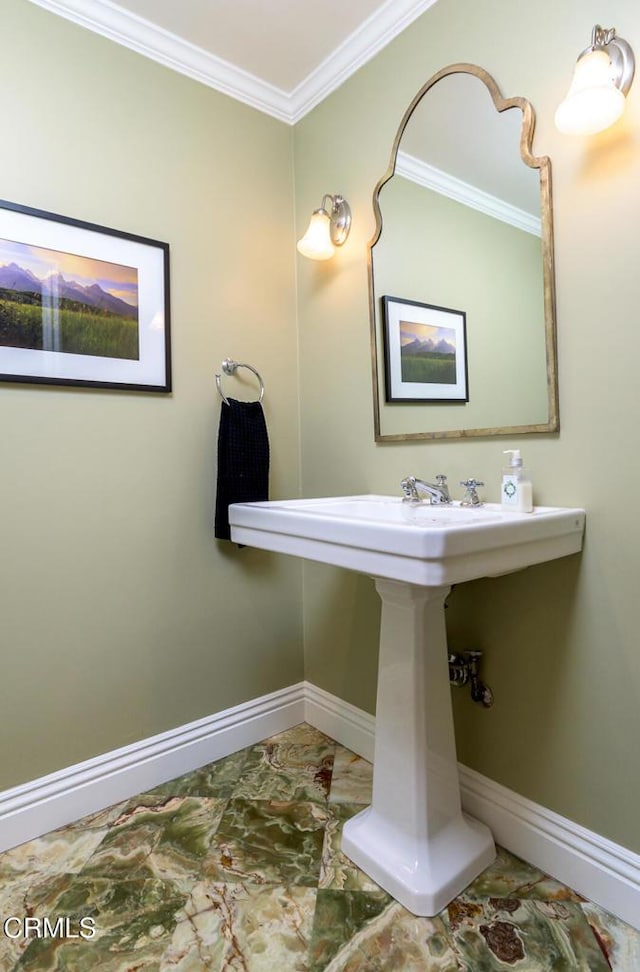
column 425, row 352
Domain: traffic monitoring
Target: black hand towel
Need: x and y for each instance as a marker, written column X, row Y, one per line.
column 243, row 460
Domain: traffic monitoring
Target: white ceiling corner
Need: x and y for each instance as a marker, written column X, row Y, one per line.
column 358, row 48
column 151, row 40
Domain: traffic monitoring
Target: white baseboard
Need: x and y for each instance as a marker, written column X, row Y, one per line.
column 599, row 869
column 52, row 801
column 349, row 726
column 603, row 871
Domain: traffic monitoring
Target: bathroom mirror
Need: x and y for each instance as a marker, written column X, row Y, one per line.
column 461, row 275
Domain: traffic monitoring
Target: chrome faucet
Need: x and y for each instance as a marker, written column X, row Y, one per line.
column 416, row 490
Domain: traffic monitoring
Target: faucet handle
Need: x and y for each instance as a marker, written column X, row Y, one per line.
column 408, row 487
column 471, row 497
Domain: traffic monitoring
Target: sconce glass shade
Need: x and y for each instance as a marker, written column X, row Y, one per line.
column 601, row 79
column 316, row 242
column 329, row 228
column 593, row 102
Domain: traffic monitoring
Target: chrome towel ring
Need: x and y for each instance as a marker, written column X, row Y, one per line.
column 229, row 366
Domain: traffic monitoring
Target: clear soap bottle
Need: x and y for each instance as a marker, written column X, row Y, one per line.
column 517, row 489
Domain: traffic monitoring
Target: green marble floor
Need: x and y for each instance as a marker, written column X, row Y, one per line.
column 237, row 866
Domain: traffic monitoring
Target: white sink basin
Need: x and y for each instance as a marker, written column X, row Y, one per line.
column 428, row 545
column 414, row 839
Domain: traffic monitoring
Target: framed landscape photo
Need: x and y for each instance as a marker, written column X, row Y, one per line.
column 82, row 304
column 425, row 352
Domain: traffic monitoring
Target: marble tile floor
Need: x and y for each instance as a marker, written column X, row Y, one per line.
column 237, row 866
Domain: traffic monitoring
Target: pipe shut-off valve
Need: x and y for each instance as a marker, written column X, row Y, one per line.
column 464, row 668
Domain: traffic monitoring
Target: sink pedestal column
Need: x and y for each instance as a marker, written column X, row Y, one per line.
column 414, row 840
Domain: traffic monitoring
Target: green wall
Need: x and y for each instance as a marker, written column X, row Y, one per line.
column 121, row 615
column 561, row 640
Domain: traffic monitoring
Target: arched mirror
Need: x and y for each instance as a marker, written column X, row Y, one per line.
column 461, row 269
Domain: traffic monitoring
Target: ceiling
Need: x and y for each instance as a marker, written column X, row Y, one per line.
column 280, row 41
column 281, row 56
column 285, row 56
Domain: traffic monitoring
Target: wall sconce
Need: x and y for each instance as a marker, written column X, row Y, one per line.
column 601, row 79
column 328, row 228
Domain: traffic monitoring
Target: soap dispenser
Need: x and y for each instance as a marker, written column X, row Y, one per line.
column 517, row 490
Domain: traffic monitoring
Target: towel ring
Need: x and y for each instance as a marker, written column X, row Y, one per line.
column 229, row 366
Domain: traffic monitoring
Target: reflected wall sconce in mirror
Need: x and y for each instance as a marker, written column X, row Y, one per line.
column 328, row 228
column 601, row 79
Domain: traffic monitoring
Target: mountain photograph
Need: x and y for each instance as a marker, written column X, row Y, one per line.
column 427, row 354
column 61, row 302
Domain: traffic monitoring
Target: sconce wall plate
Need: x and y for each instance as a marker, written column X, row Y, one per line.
column 623, row 62
column 340, row 217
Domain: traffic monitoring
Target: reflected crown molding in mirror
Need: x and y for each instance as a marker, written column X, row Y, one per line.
column 447, row 185
column 512, row 284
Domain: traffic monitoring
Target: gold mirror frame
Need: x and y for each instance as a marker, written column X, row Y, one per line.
column 543, row 164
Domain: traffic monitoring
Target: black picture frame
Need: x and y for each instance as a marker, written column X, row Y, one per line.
column 82, row 304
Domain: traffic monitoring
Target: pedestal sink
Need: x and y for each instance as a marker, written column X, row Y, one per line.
column 414, row 839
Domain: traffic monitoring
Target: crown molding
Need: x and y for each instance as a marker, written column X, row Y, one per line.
column 143, row 37
column 463, row 192
column 140, row 35
column 374, row 33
